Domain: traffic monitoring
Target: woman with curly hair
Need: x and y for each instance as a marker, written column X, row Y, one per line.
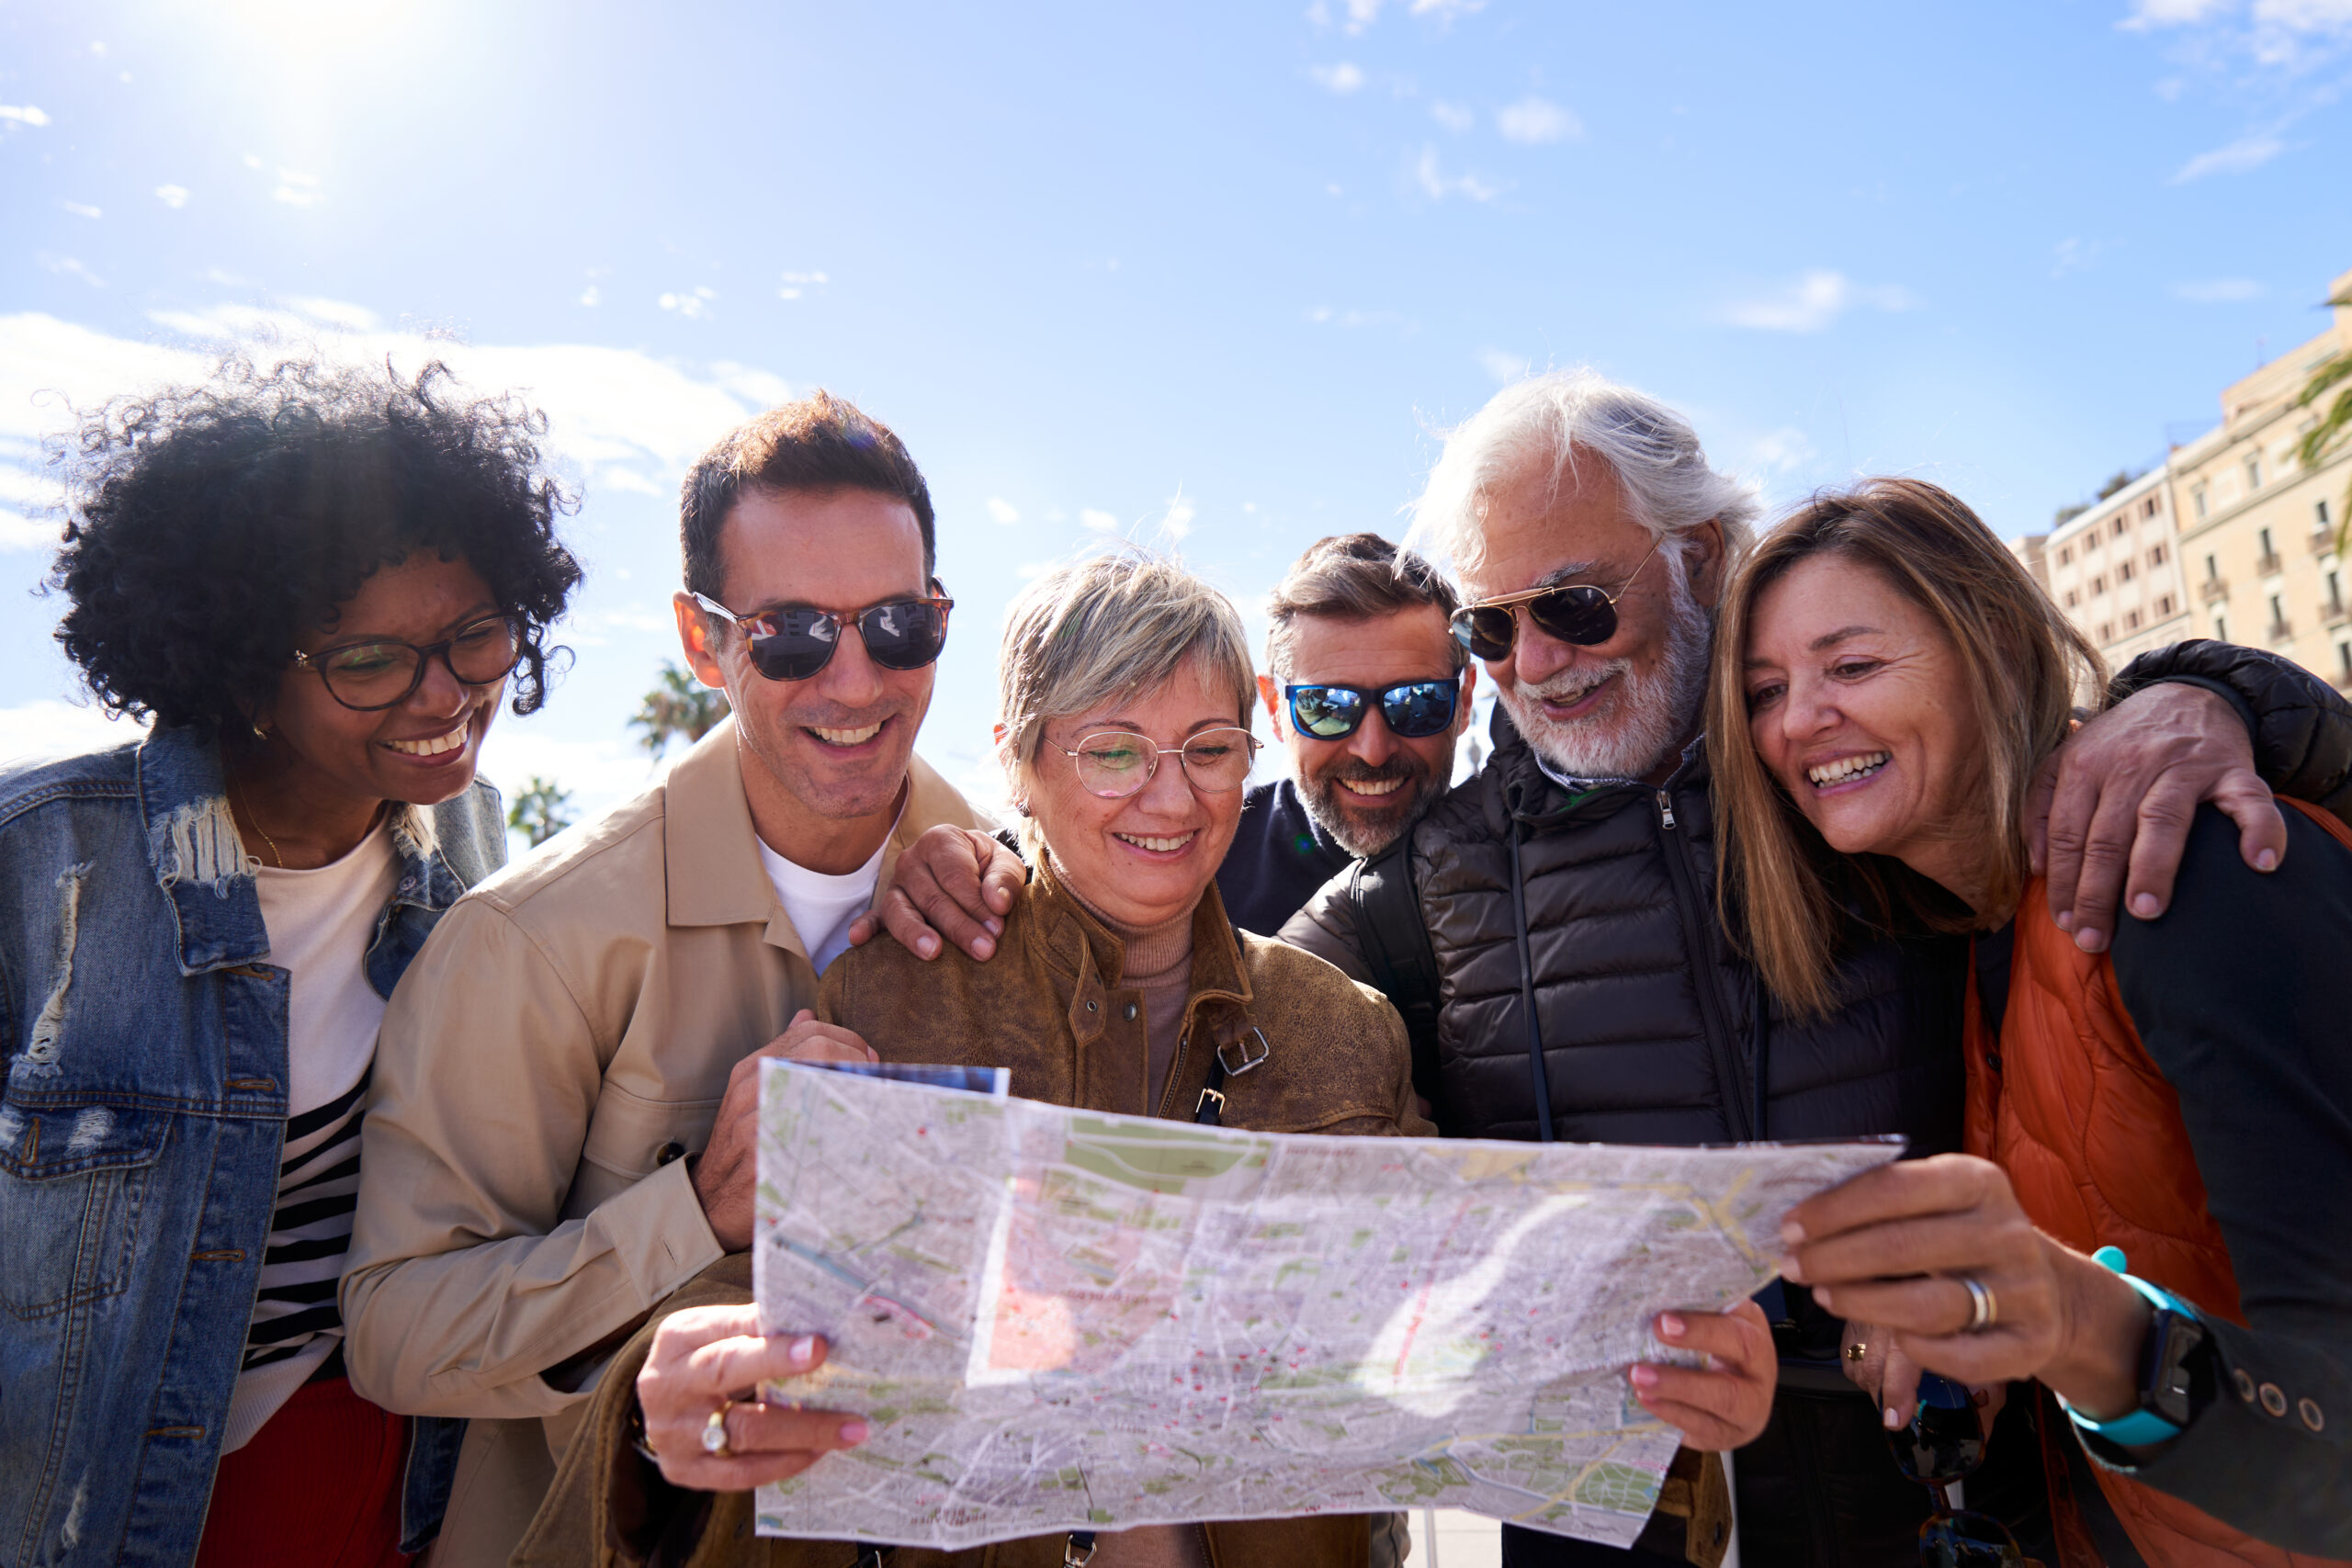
column 318, row 585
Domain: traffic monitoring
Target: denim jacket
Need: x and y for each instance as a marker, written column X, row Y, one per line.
column 141, row 1124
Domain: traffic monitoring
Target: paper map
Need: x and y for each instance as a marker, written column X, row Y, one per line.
column 1055, row 1320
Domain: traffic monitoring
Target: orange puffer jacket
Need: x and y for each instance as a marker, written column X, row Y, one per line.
column 2066, row 1101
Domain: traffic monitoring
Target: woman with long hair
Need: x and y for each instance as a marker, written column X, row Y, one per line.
column 2149, row 1219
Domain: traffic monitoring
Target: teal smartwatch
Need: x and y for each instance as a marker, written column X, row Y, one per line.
column 2167, row 1382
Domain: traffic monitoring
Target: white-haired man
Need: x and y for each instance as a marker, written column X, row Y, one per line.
column 1551, row 934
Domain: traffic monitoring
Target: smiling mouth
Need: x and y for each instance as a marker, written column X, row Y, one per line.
column 435, row 746
column 1157, row 846
column 1372, row 787
column 846, row 737
column 1846, row 768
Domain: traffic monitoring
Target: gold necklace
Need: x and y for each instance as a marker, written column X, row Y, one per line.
column 265, row 839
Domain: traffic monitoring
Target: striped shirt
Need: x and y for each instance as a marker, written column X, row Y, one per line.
column 320, row 923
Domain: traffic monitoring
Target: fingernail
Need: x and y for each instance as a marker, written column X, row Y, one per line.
column 1892, row 1418
column 1669, row 1325
column 1792, row 1270
column 2065, row 918
column 2267, row 859
column 2145, row 906
column 1642, row 1376
column 804, row 1350
column 983, row 947
column 852, row 1433
column 2090, row 938
column 1792, row 1232
column 928, row 946
column 995, row 927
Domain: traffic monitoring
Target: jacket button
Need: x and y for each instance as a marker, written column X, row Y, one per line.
column 2273, row 1400
column 1128, row 1012
column 2244, row 1379
column 669, row 1153
column 2309, row 1410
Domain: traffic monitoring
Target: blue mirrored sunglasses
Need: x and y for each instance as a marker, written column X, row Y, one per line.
column 1412, row 709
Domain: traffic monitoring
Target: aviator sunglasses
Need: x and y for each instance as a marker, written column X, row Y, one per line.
column 1580, row 614
column 1413, row 709
column 793, row 642
column 1943, row 1444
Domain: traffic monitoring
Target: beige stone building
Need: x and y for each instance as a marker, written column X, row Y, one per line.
column 2115, row 569
column 2257, row 530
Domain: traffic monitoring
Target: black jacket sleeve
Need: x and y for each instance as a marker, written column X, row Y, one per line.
column 2240, row 992
column 2302, row 727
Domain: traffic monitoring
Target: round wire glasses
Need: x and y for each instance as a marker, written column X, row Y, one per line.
column 1117, row 762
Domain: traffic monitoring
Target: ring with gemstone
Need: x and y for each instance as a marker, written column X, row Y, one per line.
column 714, row 1432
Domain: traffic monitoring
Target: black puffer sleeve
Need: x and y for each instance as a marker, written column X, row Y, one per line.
column 2302, row 729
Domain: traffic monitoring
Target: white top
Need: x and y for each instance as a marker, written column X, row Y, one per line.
column 822, row 907
column 320, row 923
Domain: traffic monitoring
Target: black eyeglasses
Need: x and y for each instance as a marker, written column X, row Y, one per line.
column 793, row 642
column 1413, row 709
column 371, row 676
column 1944, row 1442
column 1580, row 614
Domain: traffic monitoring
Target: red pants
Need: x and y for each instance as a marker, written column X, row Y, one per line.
column 318, row 1487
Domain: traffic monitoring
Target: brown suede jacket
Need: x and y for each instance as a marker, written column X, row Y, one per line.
column 1048, row 1005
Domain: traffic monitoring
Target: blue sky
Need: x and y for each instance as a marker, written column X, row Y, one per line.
column 1209, row 275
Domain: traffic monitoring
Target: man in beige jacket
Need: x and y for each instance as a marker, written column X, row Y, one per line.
column 559, row 1130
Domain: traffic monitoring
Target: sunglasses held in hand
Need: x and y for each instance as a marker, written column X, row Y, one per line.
column 1944, row 1442
column 1412, row 709
column 793, row 642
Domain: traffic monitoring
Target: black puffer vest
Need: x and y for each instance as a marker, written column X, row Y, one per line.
column 1653, row 1026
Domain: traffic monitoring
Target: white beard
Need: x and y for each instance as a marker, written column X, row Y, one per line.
column 1640, row 725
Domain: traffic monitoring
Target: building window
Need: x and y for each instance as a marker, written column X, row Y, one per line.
column 2264, row 534
column 2254, row 473
column 2117, row 526
column 2319, row 514
column 2277, row 617
column 2221, row 628
column 2164, row 605
column 2107, row 631
column 2073, row 598
column 2098, row 584
column 2130, row 620
column 2344, row 660
column 2123, row 572
column 2148, row 507
column 2066, row 552
column 2196, row 499
column 2157, row 555
column 2212, row 572
column 2334, row 596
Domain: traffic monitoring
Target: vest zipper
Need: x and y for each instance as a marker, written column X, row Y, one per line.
column 1729, row 1078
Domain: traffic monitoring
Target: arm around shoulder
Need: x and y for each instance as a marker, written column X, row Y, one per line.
column 2301, row 727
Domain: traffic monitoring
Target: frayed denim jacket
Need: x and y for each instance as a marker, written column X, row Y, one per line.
column 141, row 1124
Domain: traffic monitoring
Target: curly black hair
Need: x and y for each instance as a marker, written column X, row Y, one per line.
column 208, row 526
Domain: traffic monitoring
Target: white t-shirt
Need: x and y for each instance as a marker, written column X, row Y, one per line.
column 822, row 907
column 320, row 923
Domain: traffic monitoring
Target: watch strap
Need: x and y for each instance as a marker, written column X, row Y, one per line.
column 2143, row 1426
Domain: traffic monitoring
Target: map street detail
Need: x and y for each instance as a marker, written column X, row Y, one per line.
column 1056, row 1320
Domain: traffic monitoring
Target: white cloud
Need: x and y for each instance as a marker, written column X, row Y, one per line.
column 1003, row 510
column 2306, row 16
column 1455, row 118
column 1101, row 522
column 1535, row 121
column 592, row 296
column 1447, row 10
column 297, row 189
column 1340, row 78
column 1360, row 14
column 23, row 114
column 795, row 284
column 2247, row 152
column 30, row 731
column 1782, row 450
column 2218, row 291
column 2074, row 255
column 79, row 210
column 252, row 162
column 69, row 267
column 339, row 314
column 2148, row 14
column 1177, row 523
column 1437, row 184
column 1813, row 301
column 172, row 196
column 693, row 306
column 1505, row 367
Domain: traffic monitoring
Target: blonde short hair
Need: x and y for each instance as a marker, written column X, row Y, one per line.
column 1105, row 627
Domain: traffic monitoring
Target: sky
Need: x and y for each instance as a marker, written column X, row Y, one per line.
column 1212, row 277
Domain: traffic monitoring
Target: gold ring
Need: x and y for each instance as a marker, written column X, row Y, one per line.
column 1857, row 1350
column 714, row 1432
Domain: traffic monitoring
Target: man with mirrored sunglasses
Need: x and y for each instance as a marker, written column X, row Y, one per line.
column 561, row 1132
column 1367, row 693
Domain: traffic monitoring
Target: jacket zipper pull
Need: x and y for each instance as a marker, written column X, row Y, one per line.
column 1666, row 810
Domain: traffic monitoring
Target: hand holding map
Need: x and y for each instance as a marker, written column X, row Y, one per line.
column 1054, row 1319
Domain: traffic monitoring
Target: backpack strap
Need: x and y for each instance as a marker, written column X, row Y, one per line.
column 1396, row 947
